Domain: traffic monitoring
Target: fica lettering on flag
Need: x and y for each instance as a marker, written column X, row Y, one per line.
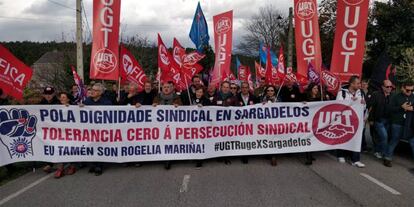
column 14, row 74
column 131, row 70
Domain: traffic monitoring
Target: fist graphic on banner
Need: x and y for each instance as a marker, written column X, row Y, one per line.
column 17, row 130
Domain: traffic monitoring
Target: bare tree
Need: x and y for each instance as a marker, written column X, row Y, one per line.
column 137, row 41
column 327, row 22
column 268, row 25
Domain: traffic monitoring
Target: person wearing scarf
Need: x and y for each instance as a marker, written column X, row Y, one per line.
column 167, row 97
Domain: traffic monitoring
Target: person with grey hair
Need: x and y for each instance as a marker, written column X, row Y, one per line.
column 97, row 99
column 167, row 97
column 132, row 97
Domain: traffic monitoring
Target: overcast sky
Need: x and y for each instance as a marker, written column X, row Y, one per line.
column 48, row 20
column 45, row 20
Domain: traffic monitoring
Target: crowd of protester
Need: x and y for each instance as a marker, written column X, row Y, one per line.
column 388, row 113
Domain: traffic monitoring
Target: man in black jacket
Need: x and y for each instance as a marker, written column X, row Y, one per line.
column 245, row 98
column 378, row 106
column 97, row 98
column 147, row 95
column 400, row 105
column 190, row 92
column 49, row 97
column 290, row 93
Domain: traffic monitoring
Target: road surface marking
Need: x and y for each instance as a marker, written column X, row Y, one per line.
column 381, row 184
column 184, row 186
column 21, row 191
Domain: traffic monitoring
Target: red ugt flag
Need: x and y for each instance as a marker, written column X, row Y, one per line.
column 223, row 41
column 104, row 57
column 349, row 42
column 14, row 74
column 308, row 46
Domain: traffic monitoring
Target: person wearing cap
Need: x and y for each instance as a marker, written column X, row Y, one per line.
column 49, row 97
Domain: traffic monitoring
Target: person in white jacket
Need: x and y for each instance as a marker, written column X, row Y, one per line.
column 354, row 93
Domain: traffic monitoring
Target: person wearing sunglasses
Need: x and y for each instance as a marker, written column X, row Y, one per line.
column 234, row 88
column 379, row 108
column 270, row 97
column 401, row 114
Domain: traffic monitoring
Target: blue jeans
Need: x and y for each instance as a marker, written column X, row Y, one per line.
column 381, row 127
column 396, row 134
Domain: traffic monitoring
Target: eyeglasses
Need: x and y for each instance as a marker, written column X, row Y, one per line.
column 409, row 90
column 387, row 86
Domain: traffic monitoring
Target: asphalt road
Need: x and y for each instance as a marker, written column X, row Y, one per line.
column 290, row 183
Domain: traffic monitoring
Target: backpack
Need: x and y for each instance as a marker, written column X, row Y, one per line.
column 344, row 94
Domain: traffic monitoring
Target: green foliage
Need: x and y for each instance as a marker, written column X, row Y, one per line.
column 405, row 70
column 390, row 29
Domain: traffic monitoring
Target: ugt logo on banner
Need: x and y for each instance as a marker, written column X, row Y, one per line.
column 335, row 124
column 308, row 48
column 305, row 9
column 17, row 130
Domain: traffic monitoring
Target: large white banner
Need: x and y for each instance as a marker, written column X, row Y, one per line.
column 127, row 134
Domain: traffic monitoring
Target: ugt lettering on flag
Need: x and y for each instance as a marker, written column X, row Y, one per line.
column 104, row 57
column 199, row 29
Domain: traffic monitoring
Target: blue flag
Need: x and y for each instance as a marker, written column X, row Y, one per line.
column 263, row 55
column 237, row 66
column 237, row 63
column 199, row 29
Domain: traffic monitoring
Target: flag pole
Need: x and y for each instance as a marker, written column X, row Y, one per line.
column 119, row 89
column 280, row 88
column 159, row 80
column 321, row 85
column 188, row 91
